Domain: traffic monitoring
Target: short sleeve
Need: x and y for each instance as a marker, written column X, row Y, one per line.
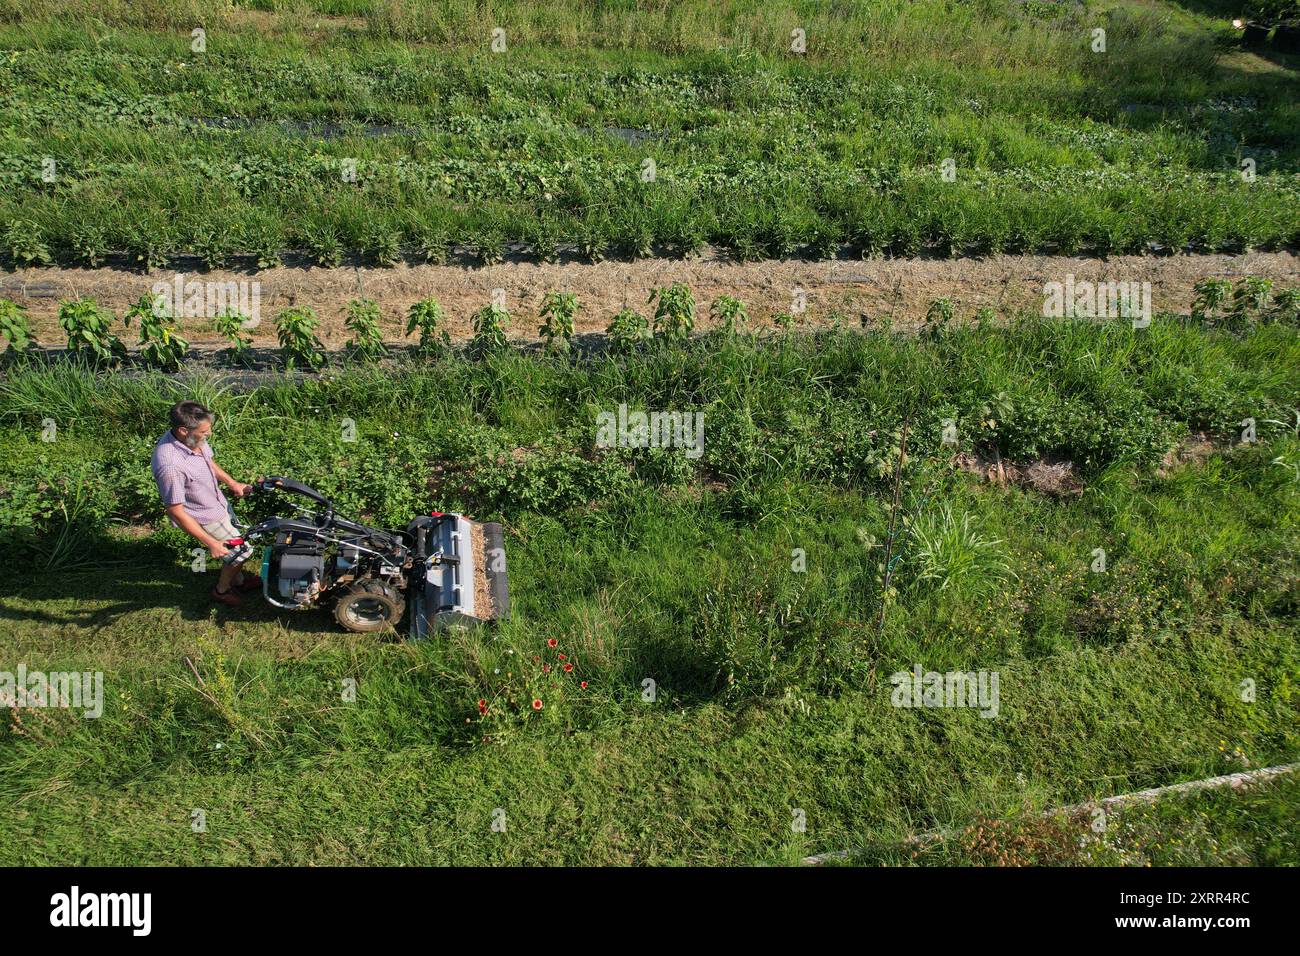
column 171, row 486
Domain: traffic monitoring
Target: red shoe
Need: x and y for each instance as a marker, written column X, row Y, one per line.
column 230, row 598
column 249, row 583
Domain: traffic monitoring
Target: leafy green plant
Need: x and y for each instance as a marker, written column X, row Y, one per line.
column 1249, row 297
column 230, row 325
column 490, row 325
column 1208, row 296
column 212, row 245
column 14, row 326
column 432, row 243
column 426, row 317
column 324, row 244
column 264, row 241
column 487, row 246
column 746, row 248
column 150, row 246
column 544, row 241
column 90, row 244
column 367, row 342
column 160, row 344
column 593, row 242
column 674, row 316
column 1286, row 306
column 729, row 315
column 636, row 241
column 383, row 247
column 295, row 327
column 687, row 239
column 824, row 243
column 938, row 317
column 557, row 313
column 627, row 330
column 23, row 242
column 89, row 330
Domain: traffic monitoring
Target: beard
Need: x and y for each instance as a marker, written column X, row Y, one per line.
column 193, row 442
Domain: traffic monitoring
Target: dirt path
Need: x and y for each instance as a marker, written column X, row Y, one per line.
column 898, row 289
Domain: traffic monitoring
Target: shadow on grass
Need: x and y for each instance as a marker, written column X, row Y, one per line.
column 130, row 576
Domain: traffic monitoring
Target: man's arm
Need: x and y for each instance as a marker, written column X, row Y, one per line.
column 195, row 530
column 238, row 487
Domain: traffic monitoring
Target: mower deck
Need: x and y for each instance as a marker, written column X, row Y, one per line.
column 460, row 574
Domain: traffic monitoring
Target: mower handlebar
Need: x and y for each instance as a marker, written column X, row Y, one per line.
column 278, row 483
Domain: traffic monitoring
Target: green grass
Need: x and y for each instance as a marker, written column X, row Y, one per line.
column 1252, row 826
column 773, row 690
column 756, row 150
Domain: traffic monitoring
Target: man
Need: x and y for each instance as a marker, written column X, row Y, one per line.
column 187, row 479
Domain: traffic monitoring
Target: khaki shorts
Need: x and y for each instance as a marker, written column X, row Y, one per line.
column 223, row 531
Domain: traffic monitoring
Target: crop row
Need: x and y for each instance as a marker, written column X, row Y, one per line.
column 91, row 336
column 628, row 219
column 133, row 148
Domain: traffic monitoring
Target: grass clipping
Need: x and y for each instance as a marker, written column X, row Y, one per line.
column 484, row 606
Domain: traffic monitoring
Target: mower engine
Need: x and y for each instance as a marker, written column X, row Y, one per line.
column 442, row 569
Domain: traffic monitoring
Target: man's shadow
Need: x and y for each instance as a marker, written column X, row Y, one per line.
column 113, row 577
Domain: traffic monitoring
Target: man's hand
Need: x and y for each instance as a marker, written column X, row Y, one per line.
column 240, row 490
column 217, row 549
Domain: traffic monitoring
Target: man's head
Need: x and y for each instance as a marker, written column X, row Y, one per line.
column 191, row 423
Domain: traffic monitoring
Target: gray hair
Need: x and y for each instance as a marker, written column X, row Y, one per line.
column 190, row 414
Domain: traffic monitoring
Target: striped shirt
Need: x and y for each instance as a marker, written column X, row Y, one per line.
column 185, row 477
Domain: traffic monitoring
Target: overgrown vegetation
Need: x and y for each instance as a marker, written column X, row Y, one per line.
column 643, row 563
column 1251, row 826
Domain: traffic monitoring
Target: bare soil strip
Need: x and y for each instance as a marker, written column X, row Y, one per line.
column 849, row 291
column 1247, row 778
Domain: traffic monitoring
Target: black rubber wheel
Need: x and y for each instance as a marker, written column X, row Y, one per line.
column 369, row 606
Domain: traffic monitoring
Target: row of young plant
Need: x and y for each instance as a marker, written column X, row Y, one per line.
column 88, row 326
column 90, row 335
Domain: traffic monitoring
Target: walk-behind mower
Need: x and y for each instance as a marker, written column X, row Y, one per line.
column 442, row 569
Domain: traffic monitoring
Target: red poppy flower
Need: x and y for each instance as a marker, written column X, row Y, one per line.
column 546, row 668
column 561, row 656
column 537, row 704
column 567, row 668
column 551, row 642
column 583, row 685
column 482, row 702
